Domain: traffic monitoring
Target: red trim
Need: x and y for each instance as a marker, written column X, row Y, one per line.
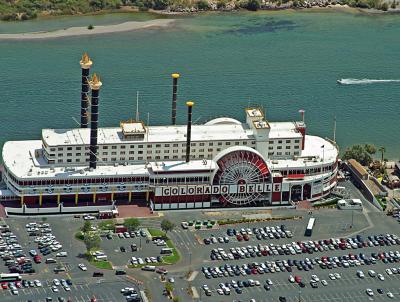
column 296, row 176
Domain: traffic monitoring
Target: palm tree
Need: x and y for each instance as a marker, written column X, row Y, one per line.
column 382, row 150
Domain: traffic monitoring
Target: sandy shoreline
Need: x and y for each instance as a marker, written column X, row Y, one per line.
column 84, row 31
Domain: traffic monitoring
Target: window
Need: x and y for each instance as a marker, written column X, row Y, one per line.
column 78, row 148
column 150, row 151
column 175, row 145
column 175, row 157
column 158, row 157
column 278, row 153
column 131, row 152
column 113, row 159
column 78, row 154
column 105, row 153
column 279, row 142
column 270, row 153
column 287, row 147
column 287, row 153
column 271, row 142
column 157, row 151
column 219, row 143
column 218, row 149
column 78, row 160
column 52, row 149
column 113, row 153
column 279, row 147
column 174, row 151
column 297, row 141
column 123, row 147
column 69, row 154
column 296, row 152
column 69, row 148
column 158, row 146
column 60, row 160
column 131, row 146
column 166, row 151
column 237, row 143
column 131, row 158
column 105, row 147
column 166, row 157
column 201, row 150
column 296, row 147
column 201, row 144
column 228, row 143
column 59, row 148
column 140, row 152
column 210, row 150
column 270, row 148
column 244, row 143
column 288, row 141
column 59, row 154
column 69, row 160
column 104, row 159
column 149, row 146
column 140, row 158
column 193, row 144
column 113, row 147
column 211, row 144
column 140, row 146
column 122, row 158
column 166, row 145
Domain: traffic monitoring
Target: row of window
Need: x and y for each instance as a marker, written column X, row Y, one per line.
column 281, row 153
column 288, row 141
column 286, row 147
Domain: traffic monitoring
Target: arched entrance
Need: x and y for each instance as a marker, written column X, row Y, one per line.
column 295, row 193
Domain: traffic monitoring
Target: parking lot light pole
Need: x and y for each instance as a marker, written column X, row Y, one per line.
column 190, row 261
column 352, row 218
column 140, row 242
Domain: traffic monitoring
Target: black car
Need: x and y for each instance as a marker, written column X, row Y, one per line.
column 380, row 290
column 69, row 282
column 122, row 249
column 109, row 236
column 314, row 284
column 282, row 299
column 267, row 287
column 120, row 272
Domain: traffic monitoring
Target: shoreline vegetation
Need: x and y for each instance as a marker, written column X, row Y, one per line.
column 20, row 10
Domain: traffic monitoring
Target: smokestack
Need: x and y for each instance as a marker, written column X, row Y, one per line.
column 85, row 63
column 95, row 85
column 189, row 129
column 302, row 129
column 175, row 77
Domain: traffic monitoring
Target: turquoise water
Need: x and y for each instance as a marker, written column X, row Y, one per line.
column 284, row 61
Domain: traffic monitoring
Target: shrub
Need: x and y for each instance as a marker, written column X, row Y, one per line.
column 253, row 5
column 384, row 6
column 202, row 5
column 90, row 27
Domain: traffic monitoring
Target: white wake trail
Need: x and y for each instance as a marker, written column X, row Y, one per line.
column 365, row 81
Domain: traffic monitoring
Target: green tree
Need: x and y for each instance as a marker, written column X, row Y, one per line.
column 169, row 287
column 167, row 225
column 91, row 241
column 360, row 153
column 86, row 226
column 131, row 224
column 382, row 150
column 393, row 4
column 176, row 299
column 108, row 224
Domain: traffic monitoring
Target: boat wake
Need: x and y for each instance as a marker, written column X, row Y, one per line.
column 364, row 81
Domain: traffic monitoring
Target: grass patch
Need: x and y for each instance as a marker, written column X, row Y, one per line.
column 174, row 258
column 101, row 264
column 157, row 233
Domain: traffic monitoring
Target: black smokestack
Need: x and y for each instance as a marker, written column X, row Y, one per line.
column 85, row 63
column 95, row 85
column 175, row 77
column 189, row 130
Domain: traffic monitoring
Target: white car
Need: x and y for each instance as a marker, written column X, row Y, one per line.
column 62, row 254
column 332, row 277
column 54, row 289
column 337, row 275
column 324, row 283
column 82, row 266
column 372, row 273
column 67, row 288
column 89, row 217
column 315, row 278
column 291, row 279
column 37, row 283
column 56, row 282
column 369, row 292
column 389, row 271
column 390, row 295
column 380, row 277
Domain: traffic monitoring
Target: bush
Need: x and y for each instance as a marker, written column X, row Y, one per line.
column 384, row 6
column 202, row 5
column 393, row 4
column 90, row 27
column 253, row 5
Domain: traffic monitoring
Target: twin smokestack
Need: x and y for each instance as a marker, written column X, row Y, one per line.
column 95, row 85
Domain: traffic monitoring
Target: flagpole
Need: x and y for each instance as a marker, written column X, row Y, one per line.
column 334, row 130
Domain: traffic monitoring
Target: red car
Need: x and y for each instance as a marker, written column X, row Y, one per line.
column 37, row 259
column 239, row 237
column 246, row 237
column 297, row 279
column 18, row 284
column 4, row 285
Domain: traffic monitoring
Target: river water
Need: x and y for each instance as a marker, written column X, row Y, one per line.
column 284, row 61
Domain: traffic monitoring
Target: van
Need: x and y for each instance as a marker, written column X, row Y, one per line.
column 133, row 247
column 50, row 260
column 166, row 250
column 149, row 268
column 98, row 274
